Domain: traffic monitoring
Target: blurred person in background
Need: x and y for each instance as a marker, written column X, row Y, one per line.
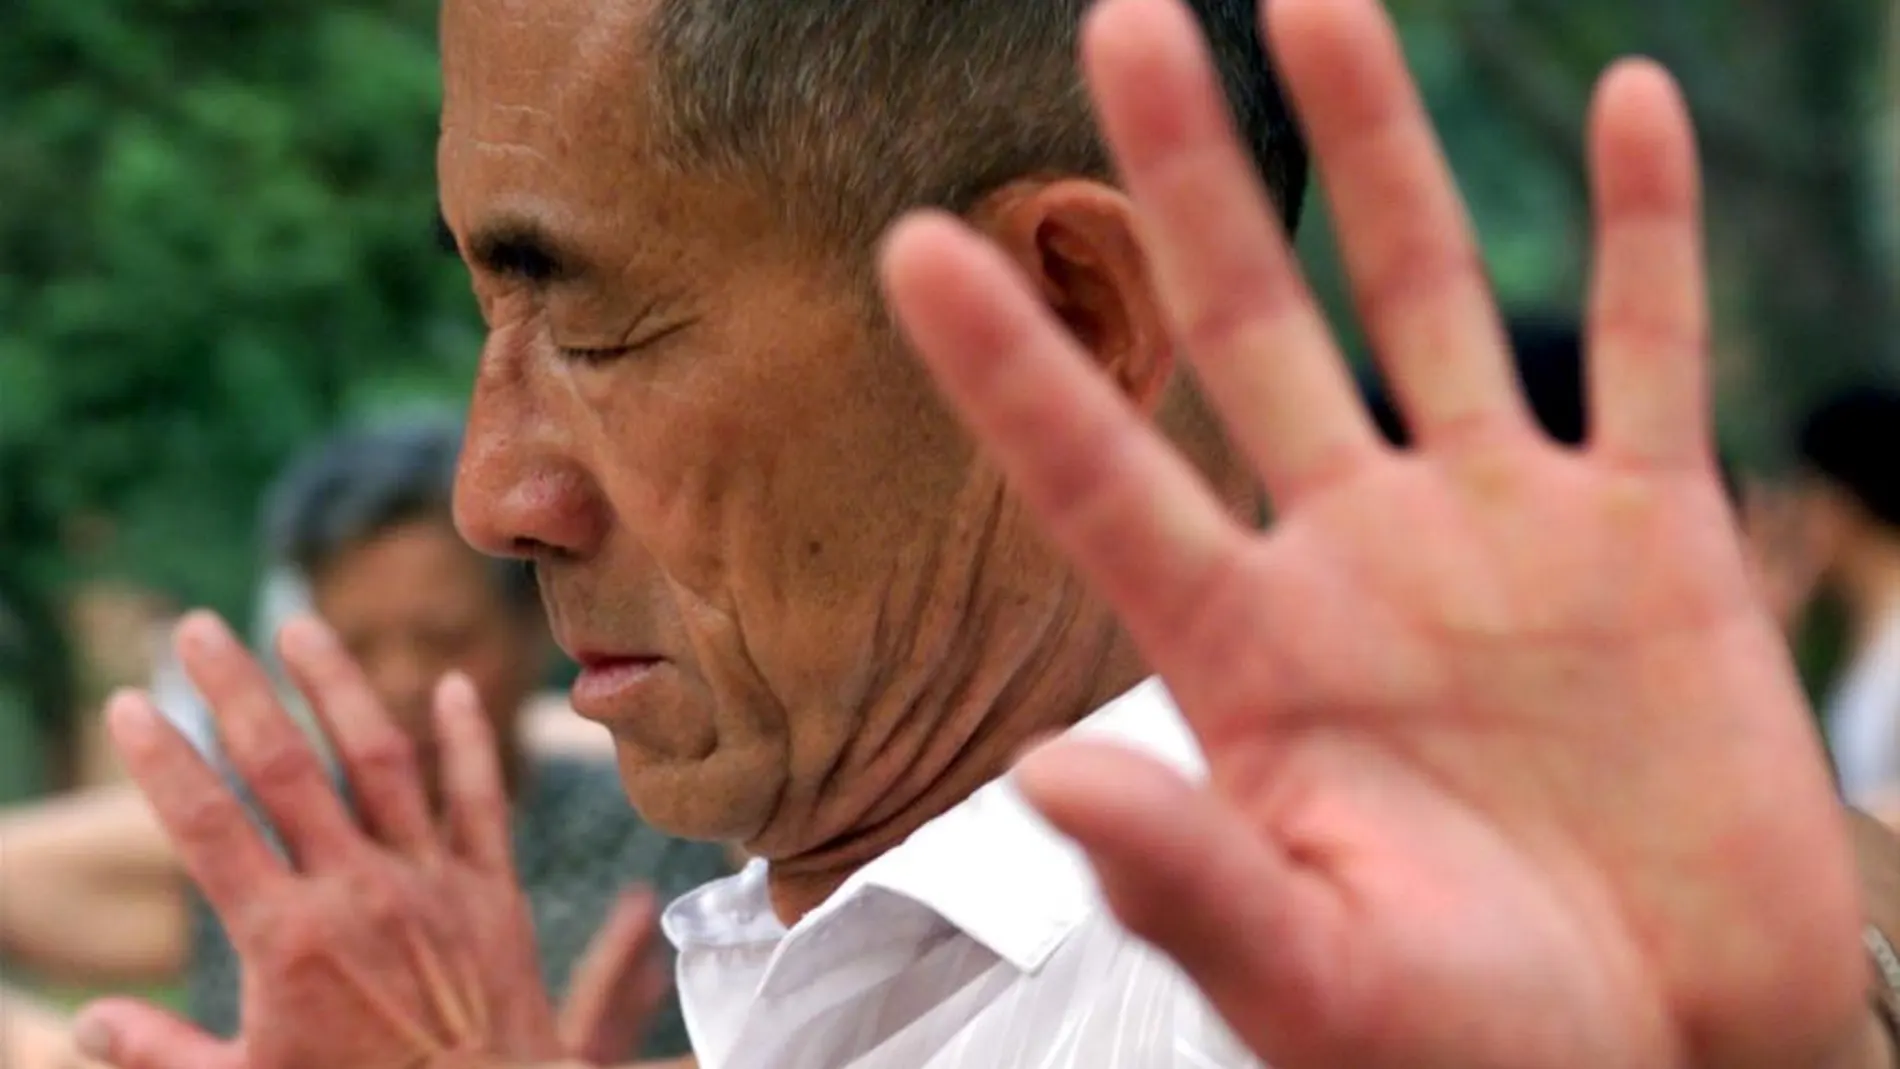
column 1846, row 531
column 91, row 892
column 1548, row 348
column 119, row 634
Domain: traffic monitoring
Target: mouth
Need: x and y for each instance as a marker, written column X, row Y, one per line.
column 609, row 683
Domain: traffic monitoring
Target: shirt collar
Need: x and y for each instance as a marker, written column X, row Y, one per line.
column 990, row 866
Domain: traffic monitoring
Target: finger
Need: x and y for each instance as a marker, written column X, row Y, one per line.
column 218, row 843
column 270, row 753
column 473, row 789
column 1128, row 510
column 612, row 994
column 1221, row 261
column 1187, row 874
column 1649, row 315
column 1407, row 244
column 128, row 1034
column 378, row 759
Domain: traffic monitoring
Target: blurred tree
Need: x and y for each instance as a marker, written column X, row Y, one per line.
column 1789, row 101
column 217, row 226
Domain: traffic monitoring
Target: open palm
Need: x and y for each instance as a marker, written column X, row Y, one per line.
column 1509, row 768
column 392, row 936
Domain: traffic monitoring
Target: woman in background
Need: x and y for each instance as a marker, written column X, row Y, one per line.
column 90, row 891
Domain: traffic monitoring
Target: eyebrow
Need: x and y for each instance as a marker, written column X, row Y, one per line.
column 516, row 248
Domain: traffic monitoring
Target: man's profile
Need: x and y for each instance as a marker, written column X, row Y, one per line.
column 1476, row 798
column 692, row 403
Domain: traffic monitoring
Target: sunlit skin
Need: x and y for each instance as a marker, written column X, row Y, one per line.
column 818, row 617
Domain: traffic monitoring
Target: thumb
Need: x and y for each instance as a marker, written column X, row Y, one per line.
column 617, row 985
column 128, row 1034
column 1184, row 871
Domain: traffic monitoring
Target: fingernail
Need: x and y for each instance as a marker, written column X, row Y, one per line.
column 128, row 711
column 93, row 1039
column 456, row 689
column 307, row 635
column 203, row 632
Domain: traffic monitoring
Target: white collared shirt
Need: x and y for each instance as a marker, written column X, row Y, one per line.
column 981, row 942
column 1863, row 719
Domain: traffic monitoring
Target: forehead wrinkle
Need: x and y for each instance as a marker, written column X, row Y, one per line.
column 540, row 62
column 602, row 87
column 586, row 104
column 555, row 85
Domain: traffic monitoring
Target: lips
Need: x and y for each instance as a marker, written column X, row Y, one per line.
column 609, row 685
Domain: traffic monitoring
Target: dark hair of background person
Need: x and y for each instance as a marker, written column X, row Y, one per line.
column 1852, row 440
column 1548, row 349
column 848, row 112
column 363, row 483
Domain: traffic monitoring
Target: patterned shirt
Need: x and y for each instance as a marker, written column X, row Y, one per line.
column 578, row 844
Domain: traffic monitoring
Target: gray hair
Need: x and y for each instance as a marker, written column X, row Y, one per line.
column 848, row 112
column 363, row 483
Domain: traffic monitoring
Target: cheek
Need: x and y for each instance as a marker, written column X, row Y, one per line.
column 684, row 479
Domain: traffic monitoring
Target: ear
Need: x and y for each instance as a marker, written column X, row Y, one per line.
column 1076, row 242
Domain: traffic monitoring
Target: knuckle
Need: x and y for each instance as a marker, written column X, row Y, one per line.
column 206, row 817
column 387, row 754
column 291, row 934
column 385, row 902
column 1418, row 271
column 364, row 907
column 281, row 762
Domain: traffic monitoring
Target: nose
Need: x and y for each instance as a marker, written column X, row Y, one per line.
column 521, row 490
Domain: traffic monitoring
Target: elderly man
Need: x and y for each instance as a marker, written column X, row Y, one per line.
column 1478, row 798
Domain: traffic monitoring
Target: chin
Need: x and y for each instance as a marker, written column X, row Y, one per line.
column 715, row 798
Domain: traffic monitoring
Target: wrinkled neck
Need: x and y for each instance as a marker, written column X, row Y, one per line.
column 1028, row 708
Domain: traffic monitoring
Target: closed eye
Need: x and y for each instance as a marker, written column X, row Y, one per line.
column 599, row 356
column 593, row 357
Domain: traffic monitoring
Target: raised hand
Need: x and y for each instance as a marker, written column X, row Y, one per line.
column 1508, row 765
column 617, row 986
column 391, row 945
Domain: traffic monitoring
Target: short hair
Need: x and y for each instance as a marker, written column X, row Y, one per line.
column 1549, row 352
column 850, row 112
column 363, row 483
column 1852, row 439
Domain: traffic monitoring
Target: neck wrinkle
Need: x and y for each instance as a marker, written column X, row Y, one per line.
column 1044, row 696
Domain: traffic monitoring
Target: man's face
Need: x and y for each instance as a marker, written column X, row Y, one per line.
column 754, row 523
